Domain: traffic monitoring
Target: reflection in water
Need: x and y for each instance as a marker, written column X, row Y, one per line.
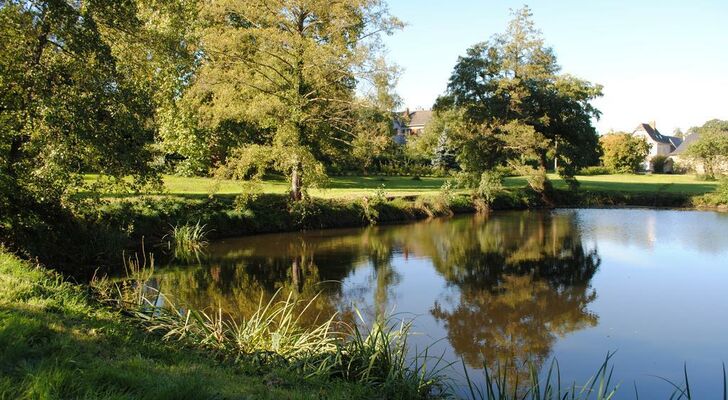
column 510, row 284
column 523, row 281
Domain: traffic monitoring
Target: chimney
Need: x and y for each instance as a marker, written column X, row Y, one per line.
column 653, row 125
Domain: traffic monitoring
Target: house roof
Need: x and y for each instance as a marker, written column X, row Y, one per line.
column 420, row 117
column 653, row 133
column 691, row 138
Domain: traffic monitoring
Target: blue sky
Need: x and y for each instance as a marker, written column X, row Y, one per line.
column 665, row 61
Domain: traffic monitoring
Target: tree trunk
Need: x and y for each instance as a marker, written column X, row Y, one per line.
column 296, row 182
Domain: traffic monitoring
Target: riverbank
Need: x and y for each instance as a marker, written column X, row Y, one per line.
column 94, row 236
column 57, row 341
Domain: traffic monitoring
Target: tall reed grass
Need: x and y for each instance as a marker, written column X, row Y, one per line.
column 273, row 336
column 379, row 356
column 501, row 384
column 187, row 241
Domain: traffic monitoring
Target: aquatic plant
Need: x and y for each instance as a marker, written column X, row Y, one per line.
column 502, row 384
column 187, row 240
column 273, row 336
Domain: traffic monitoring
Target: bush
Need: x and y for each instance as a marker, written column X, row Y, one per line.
column 623, row 152
column 595, row 170
column 491, row 183
column 658, row 164
column 717, row 198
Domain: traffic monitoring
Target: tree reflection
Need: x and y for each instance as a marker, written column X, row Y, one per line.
column 523, row 280
column 237, row 285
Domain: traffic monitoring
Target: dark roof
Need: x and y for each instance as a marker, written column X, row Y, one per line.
column 421, row 117
column 691, row 138
column 675, row 141
column 654, row 133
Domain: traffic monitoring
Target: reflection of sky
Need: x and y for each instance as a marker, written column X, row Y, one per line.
column 661, row 298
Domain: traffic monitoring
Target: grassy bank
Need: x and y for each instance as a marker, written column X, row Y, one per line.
column 94, row 234
column 57, row 341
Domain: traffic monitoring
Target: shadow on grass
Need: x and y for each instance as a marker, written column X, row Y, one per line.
column 44, row 355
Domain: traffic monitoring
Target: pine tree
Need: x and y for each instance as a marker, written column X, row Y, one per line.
column 444, row 158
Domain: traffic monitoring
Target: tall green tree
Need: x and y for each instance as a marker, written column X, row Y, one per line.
column 292, row 68
column 514, row 78
column 68, row 103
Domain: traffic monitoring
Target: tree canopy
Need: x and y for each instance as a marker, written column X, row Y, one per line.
column 623, row 152
column 711, row 148
column 514, row 80
column 291, row 69
column 81, row 86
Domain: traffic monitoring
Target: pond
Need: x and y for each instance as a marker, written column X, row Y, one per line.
column 573, row 285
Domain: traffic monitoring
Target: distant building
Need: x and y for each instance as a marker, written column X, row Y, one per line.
column 410, row 123
column 660, row 145
column 682, row 162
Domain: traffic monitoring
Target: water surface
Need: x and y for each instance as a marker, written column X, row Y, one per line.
column 510, row 287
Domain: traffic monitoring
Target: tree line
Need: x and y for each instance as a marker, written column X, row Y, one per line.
column 241, row 88
column 127, row 88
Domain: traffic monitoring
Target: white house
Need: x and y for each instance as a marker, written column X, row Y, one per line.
column 410, row 123
column 660, row 145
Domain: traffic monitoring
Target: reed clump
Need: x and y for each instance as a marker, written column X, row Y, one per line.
column 502, row 383
column 187, row 241
column 274, row 337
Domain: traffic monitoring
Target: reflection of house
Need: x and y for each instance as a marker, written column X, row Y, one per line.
column 410, row 123
column 660, row 145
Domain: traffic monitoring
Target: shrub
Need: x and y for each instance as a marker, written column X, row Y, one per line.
column 658, row 164
column 623, row 152
column 595, row 170
column 491, row 183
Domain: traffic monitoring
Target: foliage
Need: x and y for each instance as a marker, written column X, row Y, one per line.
column 623, row 152
column 81, row 86
column 187, row 240
column 658, row 164
column 444, row 159
column 719, row 198
column 291, row 72
column 373, row 130
column 369, row 205
column 513, row 79
column 594, row 170
column 491, row 184
column 479, row 146
column 711, row 148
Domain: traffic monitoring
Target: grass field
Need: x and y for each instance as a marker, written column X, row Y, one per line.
column 354, row 186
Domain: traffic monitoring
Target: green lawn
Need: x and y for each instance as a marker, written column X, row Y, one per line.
column 689, row 184
column 354, row 186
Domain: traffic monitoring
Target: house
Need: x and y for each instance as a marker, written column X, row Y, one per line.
column 660, row 145
column 410, row 123
column 680, row 162
column 677, row 158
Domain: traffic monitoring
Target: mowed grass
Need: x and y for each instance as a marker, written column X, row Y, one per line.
column 357, row 186
column 56, row 342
